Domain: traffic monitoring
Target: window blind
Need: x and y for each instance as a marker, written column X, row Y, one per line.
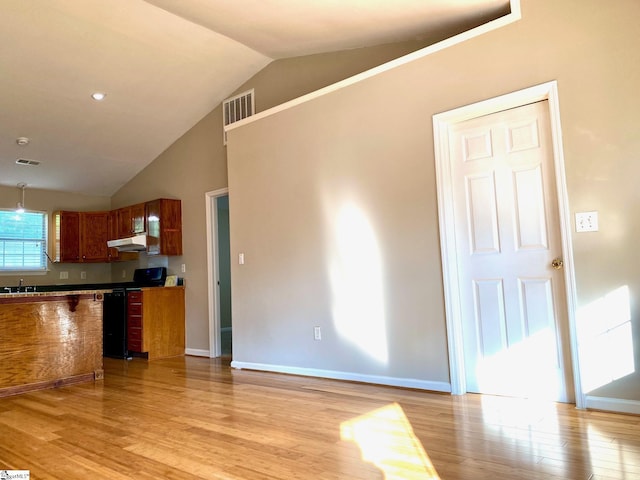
column 23, row 240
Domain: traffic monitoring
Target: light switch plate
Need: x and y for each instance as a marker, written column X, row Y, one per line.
column 587, row 222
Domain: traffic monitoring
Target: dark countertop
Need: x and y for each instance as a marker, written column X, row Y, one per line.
column 30, row 296
column 68, row 288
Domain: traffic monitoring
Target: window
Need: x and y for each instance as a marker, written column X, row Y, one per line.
column 23, row 240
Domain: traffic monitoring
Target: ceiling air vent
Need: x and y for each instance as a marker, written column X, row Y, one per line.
column 237, row 108
column 24, row 161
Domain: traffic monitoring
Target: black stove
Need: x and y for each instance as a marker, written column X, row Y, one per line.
column 114, row 316
column 150, row 277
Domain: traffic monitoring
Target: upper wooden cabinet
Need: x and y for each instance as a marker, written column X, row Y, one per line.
column 66, row 237
column 114, row 253
column 164, row 227
column 94, row 233
column 80, row 236
column 130, row 220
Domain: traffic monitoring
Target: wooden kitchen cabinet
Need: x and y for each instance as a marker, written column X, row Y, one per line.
column 66, row 237
column 94, row 233
column 80, row 237
column 113, row 253
column 134, row 321
column 130, row 220
column 156, row 322
column 164, row 227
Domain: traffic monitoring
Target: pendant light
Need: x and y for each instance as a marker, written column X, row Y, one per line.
column 20, row 206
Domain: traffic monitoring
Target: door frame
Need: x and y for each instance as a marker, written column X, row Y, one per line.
column 213, row 271
column 450, row 265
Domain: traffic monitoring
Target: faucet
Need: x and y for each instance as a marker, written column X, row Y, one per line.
column 20, row 285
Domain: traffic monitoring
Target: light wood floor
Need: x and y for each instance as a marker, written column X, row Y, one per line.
column 195, row 418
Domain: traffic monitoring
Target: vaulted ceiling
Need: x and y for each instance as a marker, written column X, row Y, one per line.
column 163, row 64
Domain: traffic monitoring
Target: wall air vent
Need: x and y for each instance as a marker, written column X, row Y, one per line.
column 24, row 161
column 237, row 108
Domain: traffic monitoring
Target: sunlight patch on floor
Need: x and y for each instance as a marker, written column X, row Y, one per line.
column 386, row 439
column 530, row 425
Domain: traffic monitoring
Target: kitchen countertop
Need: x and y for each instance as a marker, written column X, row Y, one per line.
column 70, row 287
column 76, row 289
column 53, row 293
column 79, row 287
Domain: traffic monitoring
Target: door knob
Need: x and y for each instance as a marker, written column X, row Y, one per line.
column 557, row 263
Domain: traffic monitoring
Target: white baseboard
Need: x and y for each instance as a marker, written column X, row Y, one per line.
column 196, row 352
column 619, row 405
column 354, row 377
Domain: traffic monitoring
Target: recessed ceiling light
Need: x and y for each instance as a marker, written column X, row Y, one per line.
column 98, row 96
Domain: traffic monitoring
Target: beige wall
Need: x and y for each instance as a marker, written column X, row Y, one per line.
column 284, row 80
column 193, row 165
column 197, row 163
column 50, row 201
column 371, row 145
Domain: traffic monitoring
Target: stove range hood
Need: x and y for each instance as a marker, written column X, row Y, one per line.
column 137, row 243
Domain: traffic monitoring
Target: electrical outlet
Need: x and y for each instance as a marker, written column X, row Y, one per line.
column 183, row 268
column 64, row 275
column 124, row 274
column 587, row 222
column 317, row 333
column 83, row 275
column 241, row 258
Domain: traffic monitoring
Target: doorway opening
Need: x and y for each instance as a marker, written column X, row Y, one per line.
column 219, row 274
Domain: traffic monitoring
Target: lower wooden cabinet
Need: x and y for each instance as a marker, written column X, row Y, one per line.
column 155, row 322
column 134, row 321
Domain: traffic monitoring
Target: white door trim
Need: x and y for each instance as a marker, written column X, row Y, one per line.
column 215, row 347
column 441, row 123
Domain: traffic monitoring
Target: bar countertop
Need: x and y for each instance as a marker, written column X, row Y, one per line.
column 60, row 293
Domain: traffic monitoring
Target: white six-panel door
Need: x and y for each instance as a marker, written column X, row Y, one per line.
column 507, row 237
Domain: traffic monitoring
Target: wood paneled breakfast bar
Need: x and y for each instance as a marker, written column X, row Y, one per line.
column 49, row 339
